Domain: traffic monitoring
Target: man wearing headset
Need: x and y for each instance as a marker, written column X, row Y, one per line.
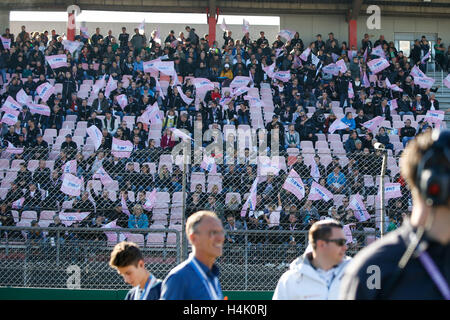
column 412, row 262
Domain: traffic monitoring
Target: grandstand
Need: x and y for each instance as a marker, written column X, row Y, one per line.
column 97, row 160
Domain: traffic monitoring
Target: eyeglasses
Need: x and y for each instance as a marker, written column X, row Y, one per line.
column 339, row 242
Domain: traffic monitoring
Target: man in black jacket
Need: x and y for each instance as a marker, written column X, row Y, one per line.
column 411, row 263
column 407, row 132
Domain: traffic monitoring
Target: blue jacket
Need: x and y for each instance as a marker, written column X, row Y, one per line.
column 140, row 223
column 185, row 283
column 350, row 122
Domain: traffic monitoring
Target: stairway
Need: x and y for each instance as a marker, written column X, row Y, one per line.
column 443, row 94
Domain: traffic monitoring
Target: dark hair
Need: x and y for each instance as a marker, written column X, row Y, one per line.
column 125, row 254
column 321, row 230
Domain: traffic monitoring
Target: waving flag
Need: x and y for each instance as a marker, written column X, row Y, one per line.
column 69, row 167
column 270, row 70
column 122, row 101
column 378, row 65
column 103, row 176
column 11, row 116
column 351, row 93
column 348, row 232
column 447, row 81
column 125, row 209
column 365, row 55
column 425, row 57
column 18, row 204
column 159, row 88
column 251, row 200
column 71, row 185
column 393, row 87
column 393, row 104
column 297, row 62
column 239, row 91
column 378, row 51
column 365, row 81
column 121, row 148
column 416, row 72
column 351, row 54
column 332, row 68
column 39, row 109
column 424, row 82
column 57, row 61
column 96, row 135
column 267, row 166
column 180, row 134
column 203, row 83
column 373, row 124
column 69, row 218
column 12, row 104
column 151, row 200
column 315, row 173
column 166, row 67
column 245, row 26
column 305, row 54
column 154, row 116
column 318, row 192
column 253, row 101
column 239, row 81
column 287, row 34
column 84, row 32
column 335, row 57
column 342, row 66
column 22, row 97
column 356, row 203
column 99, row 84
column 110, row 86
column 186, row 100
column 435, row 116
column 314, row 59
column 337, row 125
column 6, row 43
column 224, row 101
column 392, row 190
column 294, row 184
column 209, row 164
column 284, row 76
column 12, row 149
column 149, row 66
column 45, row 90
column 223, row 25
column 71, row 46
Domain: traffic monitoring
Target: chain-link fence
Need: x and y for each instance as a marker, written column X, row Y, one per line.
column 269, row 195
column 78, row 258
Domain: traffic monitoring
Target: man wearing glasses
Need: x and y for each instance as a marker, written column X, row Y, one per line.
column 197, row 278
column 316, row 275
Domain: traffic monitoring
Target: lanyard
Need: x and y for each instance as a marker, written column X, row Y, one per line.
column 435, row 274
column 213, row 290
column 148, row 285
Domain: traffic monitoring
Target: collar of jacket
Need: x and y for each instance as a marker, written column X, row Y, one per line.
column 303, row 267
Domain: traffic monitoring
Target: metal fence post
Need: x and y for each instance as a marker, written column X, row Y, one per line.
column 246, row 261
column 183, row 211
column 383, row 172
column 57, row 247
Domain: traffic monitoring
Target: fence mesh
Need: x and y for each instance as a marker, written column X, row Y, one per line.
column 87, row 189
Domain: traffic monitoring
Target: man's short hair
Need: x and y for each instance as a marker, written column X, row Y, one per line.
column 195, row 219
column 125, row 254
column 412, row 155
column 321, row 230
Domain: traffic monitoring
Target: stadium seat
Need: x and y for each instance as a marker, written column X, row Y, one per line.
column 136, row 238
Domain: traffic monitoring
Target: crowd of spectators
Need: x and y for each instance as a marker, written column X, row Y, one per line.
column 304, row 109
